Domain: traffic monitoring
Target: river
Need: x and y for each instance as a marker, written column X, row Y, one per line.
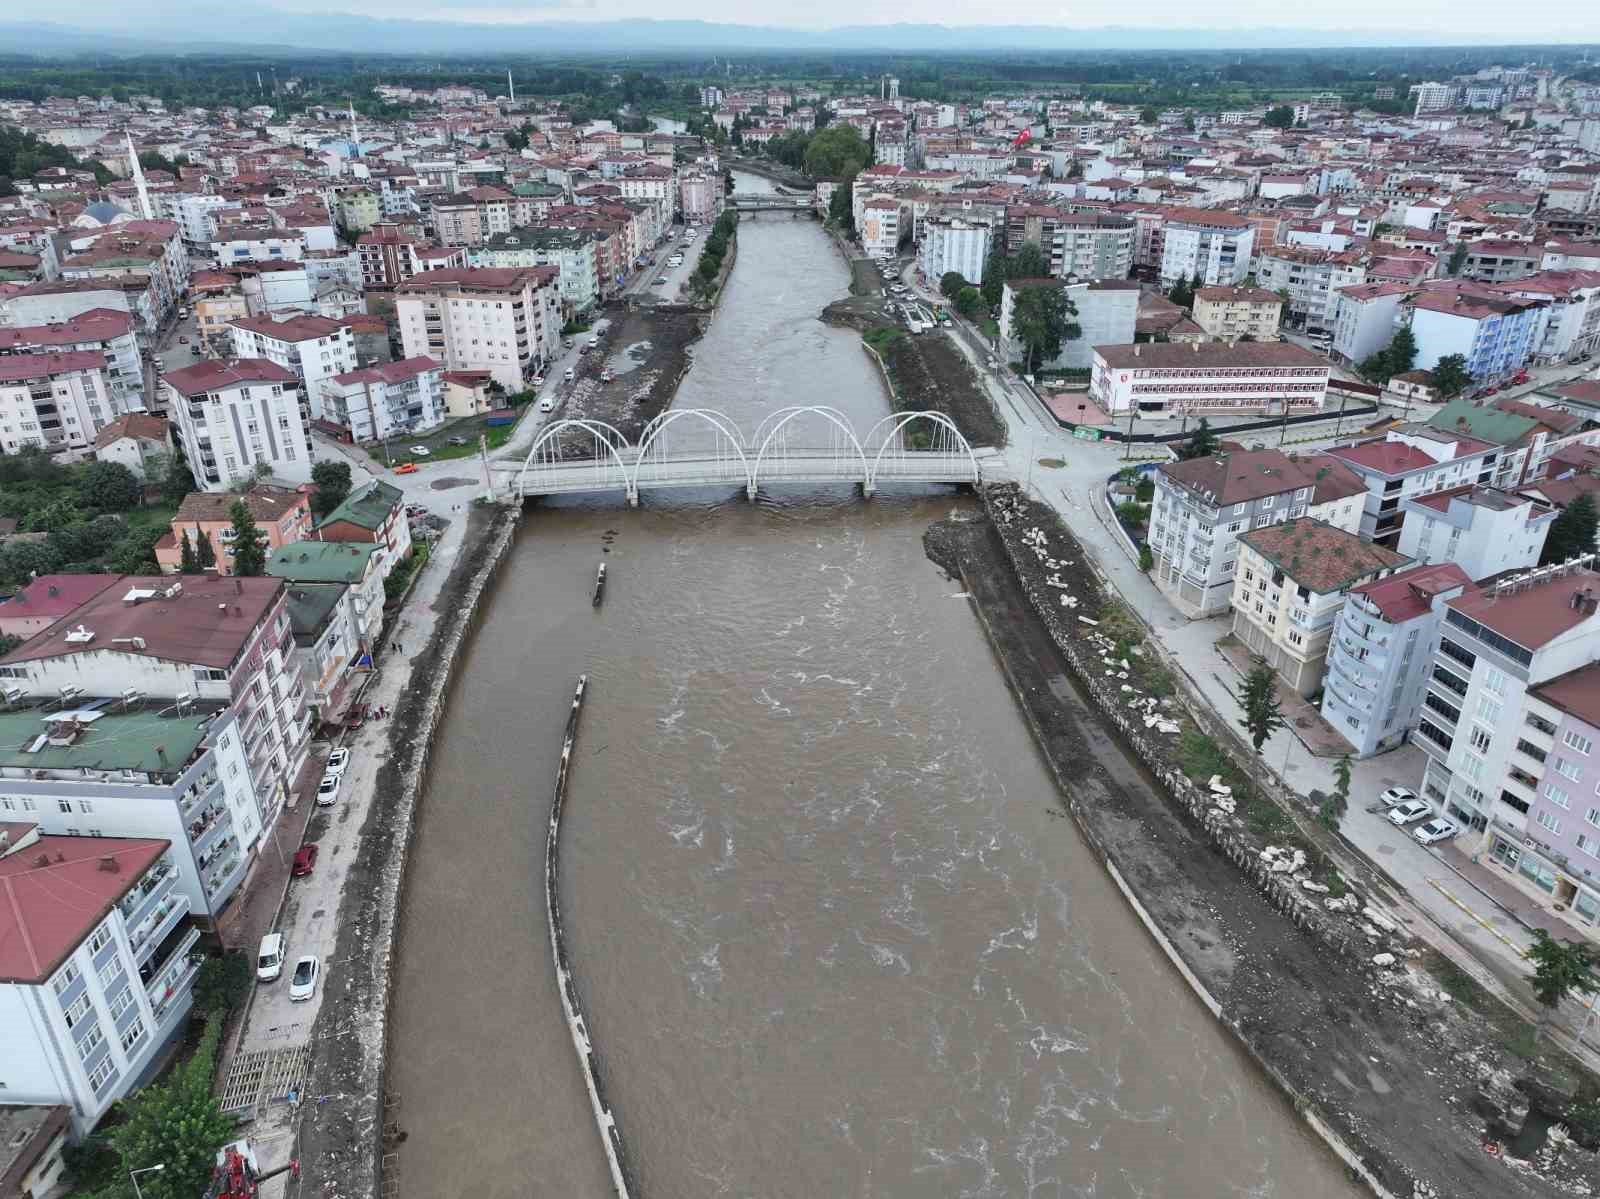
column 831, row 933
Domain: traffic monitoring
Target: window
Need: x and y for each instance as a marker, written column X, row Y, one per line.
column 1480, row 740
column 1589, row 845
column 1494, row 681
column 1558, row 797
column 85, row 806
column 65, row 806
column 1578, row 742
column 101, row 938
column 69, row 973
column 78, row 1010
column 1548, row 821
column 1567, row 768
column 133, row 1036
column 1593, row 816
column 1489, row 710
column 101, row 1075
column 121, row 1003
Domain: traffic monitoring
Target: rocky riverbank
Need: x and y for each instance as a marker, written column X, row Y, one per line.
column 1325, row 993
column 647, row 350
column 345, row 1129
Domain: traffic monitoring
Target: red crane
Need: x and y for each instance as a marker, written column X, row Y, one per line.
column 236, row 1177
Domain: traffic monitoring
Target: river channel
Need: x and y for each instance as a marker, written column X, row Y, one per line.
column 832, row 935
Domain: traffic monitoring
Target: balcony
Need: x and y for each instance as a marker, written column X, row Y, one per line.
column 149, row 937
column 197, row 793
column 206, row 828
column 137, row 905
column 1522, row 784
column 168, row 983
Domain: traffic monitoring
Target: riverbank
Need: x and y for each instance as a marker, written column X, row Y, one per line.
column 648, row 351
column 1373, row 1054
column 346, row 1132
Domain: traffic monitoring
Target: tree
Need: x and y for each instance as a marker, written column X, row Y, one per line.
column 1332, row 810
column 110, row 487
column 222, row 983
column 1572, row 533
column 1458, row 258
column 1202, row 443
column 1559, row 968
column 1148, row 115
column 1258, row 696
column 136, row 554
column 969, row 302
column 950, row 284
column 205, row 554
column 332, row 479
column 1281, row 117
column 8, row 642
column 840, row 211
column 1394, row 359
column 249, row 545
column 1029, row 262
column 1450, row 376
column 835, row 152
column 1041, row 320
column 994, row 274
column 1182, row 294
column 176, row 1124
column 188, row 564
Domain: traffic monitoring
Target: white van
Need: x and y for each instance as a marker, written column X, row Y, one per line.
column 547, row 404
column 269, row 958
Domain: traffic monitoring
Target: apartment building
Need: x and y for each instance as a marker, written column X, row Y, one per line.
column 506, row 321
column 1555, row 855
column 314, row 348
column 1363, row 319
column 139, row 441
column 233, row 416
column 1528, row 434
column 1487, row 743
column 322, row 617
column 1208, row 378
column 573, row 252
column 700, row 196
column 380, row 401
column 1289, row 587
column 1230, row 313
column 204, row 638
column 1572, row 313
column 1496, row 334
column 952, row 244
column 282, row 514
column 1410, row 461
column 1207, row 244
column 1381, row 651
column 358, row 567
column 56, row 402
column 372, row 514
column 881, row 228
column 129, row 767
column 86, row 1014
column 99, row 330
column 472, row 217
column 1483, row 530
column 390, row 256
column 1078, row 245
column 1311, row 277
column 1202, row 506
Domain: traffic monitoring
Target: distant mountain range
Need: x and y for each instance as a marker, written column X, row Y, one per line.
column 166, row 26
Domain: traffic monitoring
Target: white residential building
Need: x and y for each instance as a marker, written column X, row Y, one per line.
column 506, row 321
column 1411, row 461
column 952, row 244
column 1482, row 530
column 1208, row 378
column 57, row 402
column 376, row 402
column 86, row 1010
column 315, row 348
column 236, row 415
column 1210, row 244
column 880, row 227
column 105, row 330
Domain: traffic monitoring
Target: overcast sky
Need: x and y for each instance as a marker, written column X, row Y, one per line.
column 1532, row 20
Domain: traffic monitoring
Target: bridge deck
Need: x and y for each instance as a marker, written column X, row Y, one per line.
column 801, row 467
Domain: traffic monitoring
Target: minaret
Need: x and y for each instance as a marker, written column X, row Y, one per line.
column 355, row 138
column 138, row 182
column 511, row 85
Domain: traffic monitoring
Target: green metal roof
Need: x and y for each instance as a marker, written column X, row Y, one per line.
column 1487, row 424
column 322, row 561
column 367, row 506
column 310, row 606
column 115, row 740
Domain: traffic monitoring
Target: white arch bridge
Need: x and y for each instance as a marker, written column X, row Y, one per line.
column 700, row 447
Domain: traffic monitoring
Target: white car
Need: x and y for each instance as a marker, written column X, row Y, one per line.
column 303, row 982
column 328, row 788
column 269, row 958
column 547, row 404
column 338, row 762
column 420, row 451
column 1409, row 812
column 1435, row 831
column 1397, row 795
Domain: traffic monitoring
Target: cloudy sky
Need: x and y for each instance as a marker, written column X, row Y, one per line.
column 1533, row 20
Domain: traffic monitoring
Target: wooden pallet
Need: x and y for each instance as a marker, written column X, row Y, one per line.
column 266, row 1076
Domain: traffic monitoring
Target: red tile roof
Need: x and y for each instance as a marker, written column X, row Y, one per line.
column 1318, row 556
column 1533, row 616
column 14, row 367
column 217, row 374
column 1409, row 593
column 97, row 324
column 53, row 596
column 54, row 892
column 390, row 372
column 1577, row 692
column 295, row 328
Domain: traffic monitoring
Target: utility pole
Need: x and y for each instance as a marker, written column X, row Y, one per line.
column 483, row 457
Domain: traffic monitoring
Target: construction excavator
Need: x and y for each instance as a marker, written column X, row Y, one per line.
column 238, row 1176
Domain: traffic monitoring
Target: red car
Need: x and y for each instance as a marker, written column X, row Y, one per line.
column 305, row 860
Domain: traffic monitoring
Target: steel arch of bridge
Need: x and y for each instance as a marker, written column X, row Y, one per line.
column 882, row 456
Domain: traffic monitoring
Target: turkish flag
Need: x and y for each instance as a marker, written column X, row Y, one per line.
column 1022, row 139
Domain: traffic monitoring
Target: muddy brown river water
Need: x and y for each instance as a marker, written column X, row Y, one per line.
column 832, row 936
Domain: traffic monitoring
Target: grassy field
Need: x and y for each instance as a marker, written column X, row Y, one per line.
column 398, row 449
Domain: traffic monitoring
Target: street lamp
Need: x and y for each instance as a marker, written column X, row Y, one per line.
column 133, row 1176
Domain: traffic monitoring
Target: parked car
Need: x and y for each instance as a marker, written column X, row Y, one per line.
column 661, row 281
column 1409, row 812
column 458, row 440
column 1435, row 831
column 406, row 468
column 269, row 958
column 328, row 789
column 547, row 404
column 1397, row 795
column 303, row 983
column 305, row 860
column 183, row 341
column 339, row 759
column 567, row 341
column 571, row 374
column 421, row 451
column 538, row 380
